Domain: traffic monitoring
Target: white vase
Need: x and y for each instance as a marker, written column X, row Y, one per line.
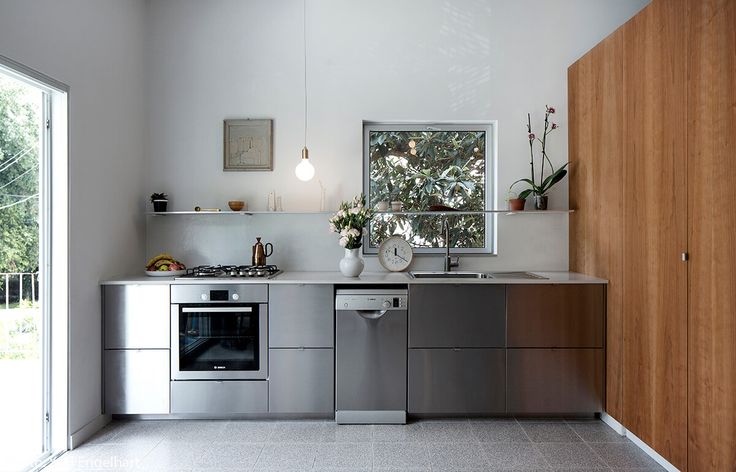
column 352, row 264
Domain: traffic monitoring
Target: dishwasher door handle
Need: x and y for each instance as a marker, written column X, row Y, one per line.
column 371, row 314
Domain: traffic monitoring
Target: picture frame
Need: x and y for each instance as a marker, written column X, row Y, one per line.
column 248, row 145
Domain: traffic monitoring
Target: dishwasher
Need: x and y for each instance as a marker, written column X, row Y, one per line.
column 370, row 356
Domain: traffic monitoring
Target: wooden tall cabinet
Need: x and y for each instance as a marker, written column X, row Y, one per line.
column 652, row 142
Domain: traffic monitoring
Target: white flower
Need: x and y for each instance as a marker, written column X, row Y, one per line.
column 333, row 228
column 343, row 241
column 354, row 232
column 355, row 211
column 344, row 232
column 340, row 214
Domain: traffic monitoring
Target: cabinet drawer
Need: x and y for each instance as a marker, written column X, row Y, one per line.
column 457, row 316
column 301, row 381
column 301, row 315
column 457, row 381
column 136, row 381
column 555, row 380
column 136, row 316
column 228, row 397
column 555, row 315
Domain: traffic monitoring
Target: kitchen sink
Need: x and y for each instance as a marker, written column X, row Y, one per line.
column 515, row 275
column 447, row 275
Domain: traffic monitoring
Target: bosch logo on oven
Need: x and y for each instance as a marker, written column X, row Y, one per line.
column 220, row 367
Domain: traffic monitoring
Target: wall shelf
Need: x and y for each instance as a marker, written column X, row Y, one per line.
column 378, row 213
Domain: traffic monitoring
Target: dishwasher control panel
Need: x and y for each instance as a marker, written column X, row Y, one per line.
column 371, row 300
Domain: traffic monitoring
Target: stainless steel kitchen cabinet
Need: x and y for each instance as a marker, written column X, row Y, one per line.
column 301, row 337
column 555, row 315
column 136, row 381
column 219, row 398
column 301, row 381
column 457, row 381
column 555, row 381
column 301, row 315
column 457, row 315
column 136, row 316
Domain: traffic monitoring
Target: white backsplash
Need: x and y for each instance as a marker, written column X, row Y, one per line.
column 303, row 242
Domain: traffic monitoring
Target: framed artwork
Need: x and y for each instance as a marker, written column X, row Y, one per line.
column 248, row 145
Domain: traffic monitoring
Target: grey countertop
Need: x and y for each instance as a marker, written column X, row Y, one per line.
column 561, row 277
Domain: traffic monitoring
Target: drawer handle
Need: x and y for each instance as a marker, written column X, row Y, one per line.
column 371, row 314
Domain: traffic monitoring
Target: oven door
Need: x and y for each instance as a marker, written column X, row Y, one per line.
column 219, row 341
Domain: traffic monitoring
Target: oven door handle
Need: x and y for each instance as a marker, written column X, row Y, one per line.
column 230, row 309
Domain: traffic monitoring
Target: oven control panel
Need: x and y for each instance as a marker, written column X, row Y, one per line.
column 219, row 293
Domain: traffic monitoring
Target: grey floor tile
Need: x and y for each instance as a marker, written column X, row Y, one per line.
column 169, row 455
column 400, row 456
column 571, row 455
column 411, row 432
column 498, row 431
column 344, row 455
column 447, row 432
column 457, row 457
column 550, row 432
column 112, row 457
column 287, row 456
column 194, row 430
column 230, row 455
column 624, row 455
column 513, row 456
column 348, row 433
column 639, row 469
column 299, row 431
column 247, row 431
column 596, row 431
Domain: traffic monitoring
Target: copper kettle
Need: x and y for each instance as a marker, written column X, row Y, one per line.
column 261, row 252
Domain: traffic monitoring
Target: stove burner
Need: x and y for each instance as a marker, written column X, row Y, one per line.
column 231, row 271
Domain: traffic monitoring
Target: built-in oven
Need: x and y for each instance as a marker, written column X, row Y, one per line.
column 219, row 332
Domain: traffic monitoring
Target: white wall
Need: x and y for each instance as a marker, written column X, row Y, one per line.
column 96, row 48
column 378, row 60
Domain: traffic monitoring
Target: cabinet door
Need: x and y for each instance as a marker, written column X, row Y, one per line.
column 544, row 381
column 555, row 315
column 136, row 381
column 457, row 316
column 219, row 398
column 301, row 381
column 457, row 381
column 655, row 235
column 136, row 316
column 301, row 315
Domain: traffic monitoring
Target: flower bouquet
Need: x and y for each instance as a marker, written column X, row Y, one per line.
column 349, row 222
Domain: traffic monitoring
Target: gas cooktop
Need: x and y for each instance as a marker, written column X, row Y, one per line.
column 231, row 272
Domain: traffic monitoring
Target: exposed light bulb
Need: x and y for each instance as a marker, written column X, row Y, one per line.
column 305, row 170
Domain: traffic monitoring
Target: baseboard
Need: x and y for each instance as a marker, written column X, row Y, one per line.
column 620, row 429
column 81, row 435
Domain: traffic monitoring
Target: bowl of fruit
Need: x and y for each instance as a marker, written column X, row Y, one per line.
column 164, row 265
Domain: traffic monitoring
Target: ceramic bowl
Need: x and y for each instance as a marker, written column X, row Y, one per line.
column 236, row 205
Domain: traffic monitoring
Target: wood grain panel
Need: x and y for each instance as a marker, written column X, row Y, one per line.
column 712, row 231
column 655, row 228
column 595, row 95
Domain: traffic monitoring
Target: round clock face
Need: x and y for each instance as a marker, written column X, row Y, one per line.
column 395, row 254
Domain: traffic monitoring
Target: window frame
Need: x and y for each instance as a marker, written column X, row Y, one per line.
column 491, row 170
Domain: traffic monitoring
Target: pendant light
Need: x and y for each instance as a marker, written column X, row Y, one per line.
column 305, row 170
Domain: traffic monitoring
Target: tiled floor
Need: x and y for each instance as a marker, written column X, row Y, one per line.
column 448, row 445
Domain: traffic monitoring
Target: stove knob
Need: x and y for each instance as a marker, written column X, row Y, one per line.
column 386, row 304
column 203, row 296
column 236, row 296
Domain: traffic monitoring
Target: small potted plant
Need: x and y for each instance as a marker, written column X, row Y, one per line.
column 539, row 187
column 160, row 201
column 515, row 203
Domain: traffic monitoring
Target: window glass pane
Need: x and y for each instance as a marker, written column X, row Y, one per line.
column 424, row 169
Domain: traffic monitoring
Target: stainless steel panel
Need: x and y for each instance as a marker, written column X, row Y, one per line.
column 371, row 300
column 219, row 398
column 555, row 315
column 301, row 381
column 136, row 316
column 457, row 315
column 556, row 381
column 370, row 357
column 198, row 293
column 136, row 381
column 262, row 373
column 370, row 417
column 301, row 316
column 457, row 381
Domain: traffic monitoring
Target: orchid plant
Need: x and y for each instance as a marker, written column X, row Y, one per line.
column 555, row 175
column 350, row 221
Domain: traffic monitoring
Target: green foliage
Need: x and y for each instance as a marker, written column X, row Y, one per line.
column 19, row 334
column 422, row 169
column 19, row 147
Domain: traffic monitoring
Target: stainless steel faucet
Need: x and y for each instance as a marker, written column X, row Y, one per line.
column 450, row 261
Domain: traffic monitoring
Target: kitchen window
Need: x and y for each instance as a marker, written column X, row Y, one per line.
column 425, row 167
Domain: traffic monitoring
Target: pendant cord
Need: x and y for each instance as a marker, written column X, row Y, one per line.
column 305, row 72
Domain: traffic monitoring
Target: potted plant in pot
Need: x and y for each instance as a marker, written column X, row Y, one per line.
column 538, row 187
column 349, row 222
column 160, row 201
column 515, row 203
